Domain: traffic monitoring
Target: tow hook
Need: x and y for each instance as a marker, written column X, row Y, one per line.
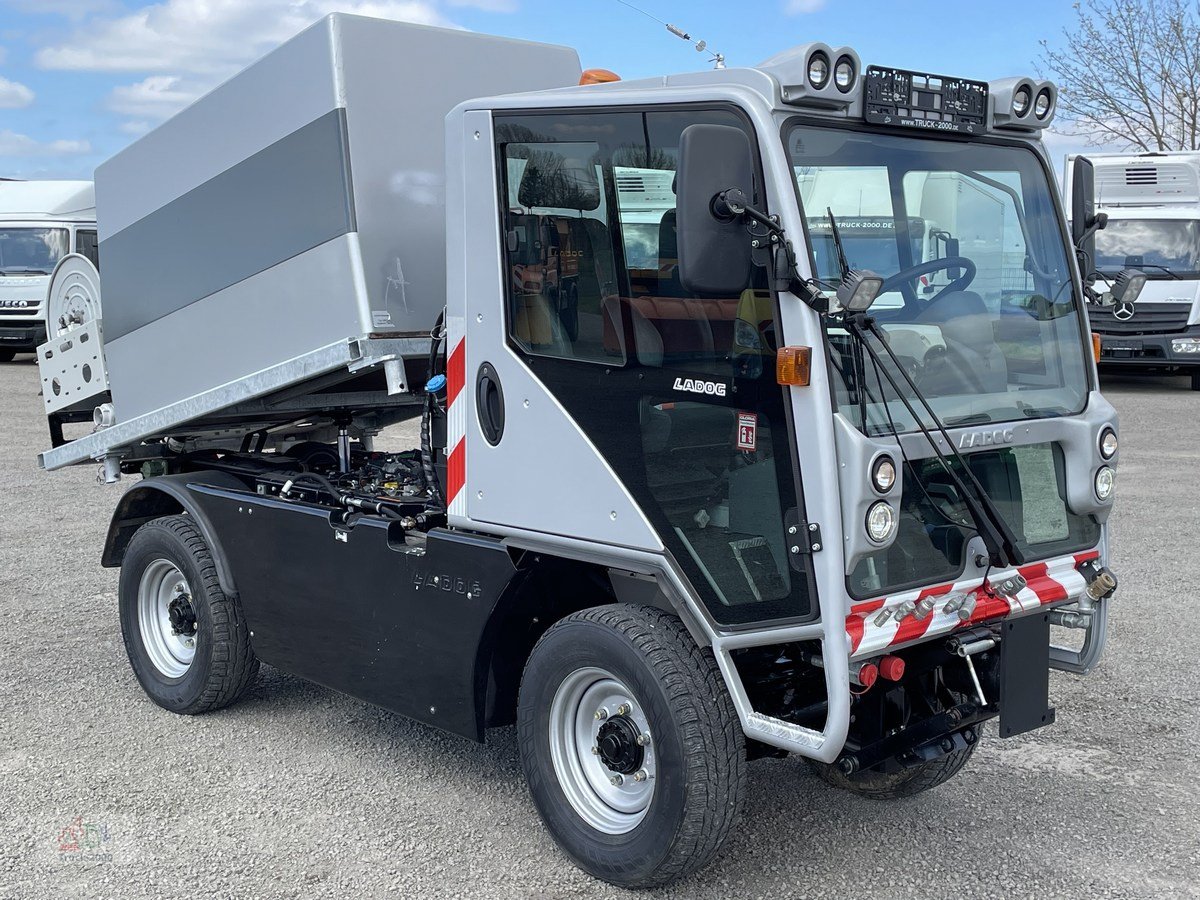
column 1101, row 582
column 966, row 646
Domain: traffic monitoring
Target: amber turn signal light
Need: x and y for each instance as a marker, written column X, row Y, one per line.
column 1096, row 343
column 598, row 76
column 793, row 365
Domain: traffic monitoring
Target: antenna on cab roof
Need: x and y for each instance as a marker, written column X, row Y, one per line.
column 717, row 59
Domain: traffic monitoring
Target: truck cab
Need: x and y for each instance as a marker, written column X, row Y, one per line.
column 758, row 415
column 1152, row 203
column 40, row 223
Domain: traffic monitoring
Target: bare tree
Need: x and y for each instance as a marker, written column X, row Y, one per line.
column 1129, row 73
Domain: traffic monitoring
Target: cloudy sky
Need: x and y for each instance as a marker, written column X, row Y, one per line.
column 79, row 79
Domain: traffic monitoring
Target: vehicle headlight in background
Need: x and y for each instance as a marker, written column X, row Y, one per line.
column 1108, row 443
column 883, row 474
column 818, row 70
column 1185, row 345
column 1041, row 106
column 881, row 522
column 1106, row 479
column 1021, row 100
column 843, row 74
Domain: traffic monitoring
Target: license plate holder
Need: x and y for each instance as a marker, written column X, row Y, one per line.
column 1025, row 675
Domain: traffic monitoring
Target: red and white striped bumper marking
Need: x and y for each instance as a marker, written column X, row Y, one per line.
column 1047, row 582
column 456, row 430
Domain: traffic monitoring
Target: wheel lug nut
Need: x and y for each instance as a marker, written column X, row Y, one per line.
column 624, row 709
column 643, row 740
column 189, row 643
column 616, row 781
column 601, row 714
column 595, row 751
column 640, row 775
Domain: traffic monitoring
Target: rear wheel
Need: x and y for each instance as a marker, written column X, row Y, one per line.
column 631, row 745
column 896, row 785
column 187, row 641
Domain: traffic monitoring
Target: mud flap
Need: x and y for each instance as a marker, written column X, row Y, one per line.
column 1025, row 675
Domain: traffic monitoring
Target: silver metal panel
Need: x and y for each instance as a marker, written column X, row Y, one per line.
column 271, row 317
column 287, row 198
column 280, row 93
column 543, row 453
column 72, row 367
column 396, row 110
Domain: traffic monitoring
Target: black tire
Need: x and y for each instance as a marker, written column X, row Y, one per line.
column 1196, row 380
column 7, row 355
column 897, row 785
column 224, row 664
column 700, row 749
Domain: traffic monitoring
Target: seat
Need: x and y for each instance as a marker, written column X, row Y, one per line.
column 972, row 360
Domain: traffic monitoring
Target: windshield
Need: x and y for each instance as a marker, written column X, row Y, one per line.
column 35, row 251
column 1165, row 248
column 978, row 302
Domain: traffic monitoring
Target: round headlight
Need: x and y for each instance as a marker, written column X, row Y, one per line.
column 1021, row 100
column 1041, row 106
column 881, row 522
column 883, row 475
column 818, row 70
column 1108, row 443
column 843, row 74
column 1106, row 479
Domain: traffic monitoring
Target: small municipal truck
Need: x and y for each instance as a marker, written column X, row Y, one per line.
column 1152, row 205
column 40, row 223
column 758, row 414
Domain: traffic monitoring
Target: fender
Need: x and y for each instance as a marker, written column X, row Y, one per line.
column 166, row 495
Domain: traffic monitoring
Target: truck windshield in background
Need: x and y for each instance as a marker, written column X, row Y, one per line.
column 33, row 251
column 1164, row 248
column 979, row 304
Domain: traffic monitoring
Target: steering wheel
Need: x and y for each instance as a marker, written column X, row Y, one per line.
column 934, row 265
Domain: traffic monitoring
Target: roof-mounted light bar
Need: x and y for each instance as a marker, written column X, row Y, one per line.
column 1023, row 104
column 817, row 75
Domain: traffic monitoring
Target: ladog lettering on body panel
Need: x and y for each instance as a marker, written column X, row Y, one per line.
column 698, row 386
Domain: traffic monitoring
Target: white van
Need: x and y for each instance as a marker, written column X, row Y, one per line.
column 40, row 223
column 1152, row 201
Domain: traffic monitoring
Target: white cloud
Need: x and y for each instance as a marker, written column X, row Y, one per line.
column 797, row 7
column 155, row 97
column 207, row 39
column 72, row 9
column 13, row 144
column 14, row 95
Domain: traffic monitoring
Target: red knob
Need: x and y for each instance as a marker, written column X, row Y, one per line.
column 891, row 668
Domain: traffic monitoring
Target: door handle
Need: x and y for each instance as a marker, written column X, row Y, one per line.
column 489, row 404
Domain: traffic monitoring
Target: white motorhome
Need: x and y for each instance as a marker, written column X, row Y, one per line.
column 40, row 223
column 1152, row 201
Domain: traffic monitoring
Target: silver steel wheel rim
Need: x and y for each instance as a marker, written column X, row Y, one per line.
column 582, row 774
column 170, row 652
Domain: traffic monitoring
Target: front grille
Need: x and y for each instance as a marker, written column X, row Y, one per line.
column 1150, row 318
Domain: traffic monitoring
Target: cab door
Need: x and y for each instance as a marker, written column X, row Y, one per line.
column 672, row 395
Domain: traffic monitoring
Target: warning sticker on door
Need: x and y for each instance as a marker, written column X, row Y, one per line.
column 747, row 433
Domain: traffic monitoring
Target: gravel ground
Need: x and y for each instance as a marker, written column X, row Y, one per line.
column 300, row 792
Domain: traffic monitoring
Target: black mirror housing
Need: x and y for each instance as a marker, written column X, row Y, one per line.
column 714, row 252
column 1083, row 215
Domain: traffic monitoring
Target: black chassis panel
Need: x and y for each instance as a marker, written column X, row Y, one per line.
column 402, row 626
column 1025, row 674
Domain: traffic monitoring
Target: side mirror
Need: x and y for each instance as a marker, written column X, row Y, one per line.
column 1083, row 216
column 714, row 249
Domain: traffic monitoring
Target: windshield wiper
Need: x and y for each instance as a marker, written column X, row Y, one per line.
column 19, row 270
column 993, row 530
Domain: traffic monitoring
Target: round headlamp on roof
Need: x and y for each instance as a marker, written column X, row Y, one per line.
column 818, row 70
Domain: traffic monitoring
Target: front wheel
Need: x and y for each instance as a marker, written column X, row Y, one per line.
column 7, row 355
column 897, row 785
column 631, row 745
column 187, row 641
column 1196, row 380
